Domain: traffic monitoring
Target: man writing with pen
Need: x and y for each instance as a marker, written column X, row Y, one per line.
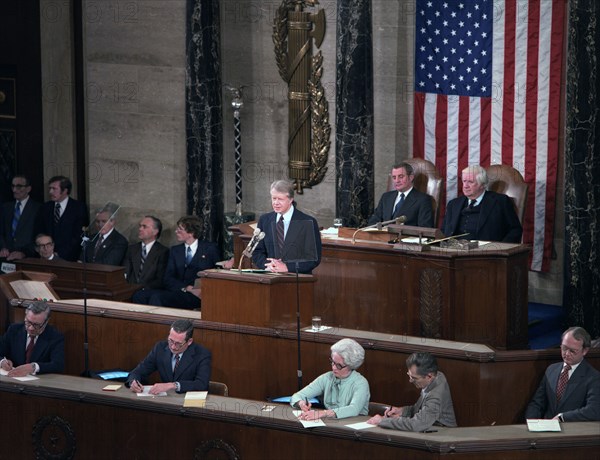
column 434, row 406
column 182, row 364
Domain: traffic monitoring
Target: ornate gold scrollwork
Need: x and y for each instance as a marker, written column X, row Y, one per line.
column 309, row 128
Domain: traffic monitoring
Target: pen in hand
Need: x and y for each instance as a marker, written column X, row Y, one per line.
column 307, row 404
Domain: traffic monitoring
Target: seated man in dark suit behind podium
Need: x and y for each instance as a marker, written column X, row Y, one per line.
column 570, row 390
column 185, row 261
column 481, row 214
column 290, row 235
column 145, row 262
column 404, row 200
column 33, row 347
column 182, row 364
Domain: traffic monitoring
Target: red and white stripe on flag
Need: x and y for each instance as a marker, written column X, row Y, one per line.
column 517, row 122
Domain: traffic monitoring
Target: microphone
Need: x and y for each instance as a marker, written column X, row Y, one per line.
column 256, row 238
column 380, row 225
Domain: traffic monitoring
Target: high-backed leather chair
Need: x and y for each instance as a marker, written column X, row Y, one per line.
column 218, row 388
column 506, row 179
column 427, row 180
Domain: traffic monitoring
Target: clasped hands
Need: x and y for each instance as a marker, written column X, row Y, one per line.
column 276, row 265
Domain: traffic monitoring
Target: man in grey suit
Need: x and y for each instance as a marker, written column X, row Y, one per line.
column 145, row 262
column 404, row 200
column 570, row 390
column 18, row 221
column 434, row 406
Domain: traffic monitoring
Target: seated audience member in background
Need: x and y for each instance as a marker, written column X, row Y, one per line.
column 481, row 214
column 404, row 201
column 343, row 391
column 185, row 261
column 33, row 347
column 434, row 406
column 182, row 364
column 289, row 233
column 570, row 390
column 18, row 221
column 107, row 246
column 44, row 246
column 145, row 262
column 64, row 218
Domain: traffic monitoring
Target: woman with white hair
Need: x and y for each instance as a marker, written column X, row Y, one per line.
column 344, row 392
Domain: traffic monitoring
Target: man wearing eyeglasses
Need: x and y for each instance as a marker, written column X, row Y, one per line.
column 18, row 220
column 44, row 246
column 569, row 391
column 434, row 406
column 33, row 347
column 182, row 364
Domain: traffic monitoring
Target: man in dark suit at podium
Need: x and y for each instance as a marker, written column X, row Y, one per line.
column 570, row 390
column 145, row 262
column 404, row 200
column 291, row 237
column 182, row 364
column 107, row 246
column 33, row 347
column 185, row 261
column 481, row 214
column 18, row 220
column 64, row 218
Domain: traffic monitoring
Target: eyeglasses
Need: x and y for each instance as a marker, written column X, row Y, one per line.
column 176, row 345
column 18, row 186
column 35, row 325
column 569, row 350
column 415, row 378
column 45, row 245
column 338, row 366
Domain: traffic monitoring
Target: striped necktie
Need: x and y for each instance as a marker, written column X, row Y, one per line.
column 143, row 258
column 16, row 217
column 280, row 230
column 56, row 213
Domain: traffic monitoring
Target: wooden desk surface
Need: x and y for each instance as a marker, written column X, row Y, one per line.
column 237, row 421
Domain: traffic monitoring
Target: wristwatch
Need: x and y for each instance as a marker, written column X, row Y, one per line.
column 183, row 289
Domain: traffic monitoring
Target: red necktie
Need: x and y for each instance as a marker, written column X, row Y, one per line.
column 176, row 362
column 29, row 349
column 562, row 382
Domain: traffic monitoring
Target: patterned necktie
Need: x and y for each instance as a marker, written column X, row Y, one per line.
column 562, row 383
column 98, row 244
column 176, row 362
column 29, row 349
column 143, row 258
column 398, row 206
column 16, row 217
column 280, row 230
column 471, row 204
column 188, row 256
column 56, row 213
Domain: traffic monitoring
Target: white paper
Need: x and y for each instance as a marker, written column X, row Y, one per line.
column 26, row 378
column 308, row 423
column 146, row 392
column 361, row 426
column 319, row 329
column 538, row 424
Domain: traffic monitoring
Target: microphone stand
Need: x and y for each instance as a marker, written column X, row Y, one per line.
column 379, row 226
column 299, row 370
column 86, row 357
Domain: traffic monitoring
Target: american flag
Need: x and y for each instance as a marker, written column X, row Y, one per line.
column 487, row 91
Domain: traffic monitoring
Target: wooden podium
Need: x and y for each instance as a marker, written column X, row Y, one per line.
column 256, row 299
column 103, row 281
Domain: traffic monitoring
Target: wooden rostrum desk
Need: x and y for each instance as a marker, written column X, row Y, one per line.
column 67, row 417
column 477, row 295
column 488, row 385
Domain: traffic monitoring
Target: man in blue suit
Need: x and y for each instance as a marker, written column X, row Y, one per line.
column 18, row 221
column 569, row 391
column 185, row 261
column 481, row 214
column 182, row 364
column 404, row 200
column 64, row 218
column 292, row 239
column 33, row 347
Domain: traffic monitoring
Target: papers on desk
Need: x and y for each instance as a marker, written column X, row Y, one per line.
column 25, row 378
column 361, row 426
column 146, row 392
column 536, row 424
column 195, row 399
column 331, row 231
column 308, row 423
column 113, row 387
column 316, row 329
